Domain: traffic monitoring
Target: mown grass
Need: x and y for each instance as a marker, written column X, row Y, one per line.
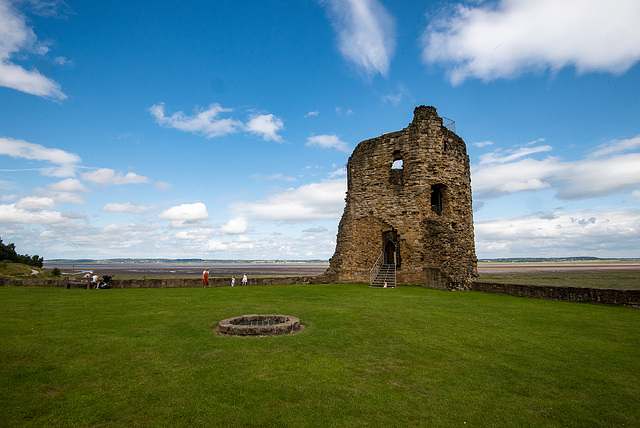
column 627, row 280
column 377, row 357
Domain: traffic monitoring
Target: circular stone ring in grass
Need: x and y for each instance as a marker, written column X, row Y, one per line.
column 259, row 325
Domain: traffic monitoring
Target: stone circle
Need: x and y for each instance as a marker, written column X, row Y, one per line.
column 259, row 325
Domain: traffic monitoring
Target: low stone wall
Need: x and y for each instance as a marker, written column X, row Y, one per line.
column 34, row 282
column 606, row 296
column 213, row 282
column 160, row 283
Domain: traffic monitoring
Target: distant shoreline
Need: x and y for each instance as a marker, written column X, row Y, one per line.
column 298, row 268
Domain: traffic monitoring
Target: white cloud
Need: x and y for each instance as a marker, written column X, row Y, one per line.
column 68, row 185
column 109, row 176
column 483, row 143
column 203, row 122
column 526, row 174
column 579, row 180
column 235, row 226
column 186, row 215
column 17, row 37
column 196, row 235
column 14, row 214
column 366, row 33
column 315, row 201
column 617, row 146
column 598, row 233
column 312, row 113
column 501, row 174
column 35, row 203
column 341, row 172
column 65, row 162
column 328, row 142
column 127, row 207
column 513, row 37
column 207, row 122
column 62, row 197
column 215, row 245
column 267, row 126
column 499, row 157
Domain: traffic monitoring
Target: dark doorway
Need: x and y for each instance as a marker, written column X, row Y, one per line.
column 391, row 248
column 389, row 253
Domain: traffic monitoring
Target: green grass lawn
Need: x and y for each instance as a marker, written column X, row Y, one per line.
column 408, row 356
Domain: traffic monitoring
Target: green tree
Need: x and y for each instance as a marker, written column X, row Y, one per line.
column 8, row 252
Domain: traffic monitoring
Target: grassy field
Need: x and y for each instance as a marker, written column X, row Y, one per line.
column 629, row 280
column 409, row 356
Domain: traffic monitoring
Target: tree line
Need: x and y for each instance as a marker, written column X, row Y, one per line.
column 8, row 252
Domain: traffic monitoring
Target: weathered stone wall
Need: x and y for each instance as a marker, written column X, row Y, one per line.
column 629, row 298
column 422, row 210
column 159, row 282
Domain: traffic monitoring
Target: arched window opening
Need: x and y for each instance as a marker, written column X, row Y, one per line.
column 397, row 164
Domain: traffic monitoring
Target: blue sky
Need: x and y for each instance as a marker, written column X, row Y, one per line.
column 220, row 129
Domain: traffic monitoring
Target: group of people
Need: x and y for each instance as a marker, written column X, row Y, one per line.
column 205, row 279
column 94, row 278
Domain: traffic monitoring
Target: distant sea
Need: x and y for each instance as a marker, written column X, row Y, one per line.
column 167, row 269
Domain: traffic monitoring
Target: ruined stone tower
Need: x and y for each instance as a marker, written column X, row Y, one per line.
column 408, row 204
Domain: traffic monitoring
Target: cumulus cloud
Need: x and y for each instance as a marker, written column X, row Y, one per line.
column 328, row 142
column 315, row 201
column 366, row 33
column 203, row 122
column 186, row 215
column 68, row 185
column 16, row 37
column 195, row 235
column 235, row 226
column 35, row 203
column 266, row 126
column 215, row 245
column 65, row 162
column 209, row 123
column 109, row 176
column 127, row 207
column 14, row 213
column 499, row 174
column 599, row 233
column 513, row 37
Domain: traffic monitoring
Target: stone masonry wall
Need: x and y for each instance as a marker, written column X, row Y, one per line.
column 424, row 209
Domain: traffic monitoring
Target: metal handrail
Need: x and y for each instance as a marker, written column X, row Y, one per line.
column 376, row 266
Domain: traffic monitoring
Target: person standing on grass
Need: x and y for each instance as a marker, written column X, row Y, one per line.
column 205, row 278
column 244, row 279
column 233, row 281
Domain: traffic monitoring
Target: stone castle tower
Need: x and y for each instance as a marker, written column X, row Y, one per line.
column 408, row 207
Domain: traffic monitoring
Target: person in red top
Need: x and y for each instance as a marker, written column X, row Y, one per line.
column 205, row 278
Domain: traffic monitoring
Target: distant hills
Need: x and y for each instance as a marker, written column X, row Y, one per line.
column 550, row 259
